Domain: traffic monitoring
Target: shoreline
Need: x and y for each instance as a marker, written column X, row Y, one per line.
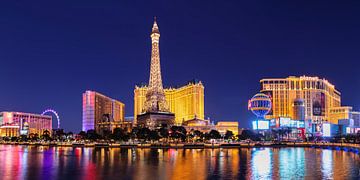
column 342, row 146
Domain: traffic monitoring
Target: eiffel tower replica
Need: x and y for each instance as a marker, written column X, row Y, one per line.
column 156, row 111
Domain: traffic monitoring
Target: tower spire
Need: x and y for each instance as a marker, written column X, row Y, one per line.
column 155, row 96
column 155, row 28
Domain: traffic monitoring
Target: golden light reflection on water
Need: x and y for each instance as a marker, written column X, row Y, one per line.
column 22, row 162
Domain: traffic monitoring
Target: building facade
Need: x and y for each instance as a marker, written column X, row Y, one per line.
column 206, row 126
column 356, row 118
column 186, row 102
column 101, row 113
column 299, row 109
column 20, row 123
column 319, row 97
column 345, row 113
column 339, row 113
column 223, row 126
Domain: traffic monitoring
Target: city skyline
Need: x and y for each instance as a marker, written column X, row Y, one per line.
column 53, row 72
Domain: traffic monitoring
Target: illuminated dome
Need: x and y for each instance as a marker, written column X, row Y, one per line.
column 260, row 104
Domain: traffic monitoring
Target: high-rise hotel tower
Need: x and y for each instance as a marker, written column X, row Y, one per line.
column 318, row 96
column 101, row 112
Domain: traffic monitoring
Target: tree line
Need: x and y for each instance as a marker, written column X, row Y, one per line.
column 173, row 134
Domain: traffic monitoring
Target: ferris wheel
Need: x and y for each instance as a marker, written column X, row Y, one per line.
column 56, row 115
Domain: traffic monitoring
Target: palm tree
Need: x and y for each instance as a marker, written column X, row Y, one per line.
column 82, row 134
column 69, row 135
column 178, row 132
column 13, row 139
column 34, row 136
column 23, row 138
column 164, row 133
column 106, row 134
column 214, row 134
column 143, row 134
column 248, row 134
column 199, row 134
column 59, row 134
column 46, row 135
column 154, row 135
column 92, row 135
column 229, row 135
column 119, row 134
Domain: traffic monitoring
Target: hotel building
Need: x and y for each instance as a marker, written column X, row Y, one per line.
column 318, row 96
column 19, row 123
column 155, row 106
column 206, row 126
column 223, row 126
column 101, row 113
column 186, row 102
column 338, row 113
column 345, row 113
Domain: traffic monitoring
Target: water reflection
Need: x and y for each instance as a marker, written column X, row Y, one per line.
column 22, row 162
column 292, row 162
column 326, row 164
column 261, row 163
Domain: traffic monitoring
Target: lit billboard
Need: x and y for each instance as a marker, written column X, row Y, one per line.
column 274, row 123
column 285, row 122
column 24, row 127
column 300, row 124
column 261, row 125
column 326, row 130
column 318, row 104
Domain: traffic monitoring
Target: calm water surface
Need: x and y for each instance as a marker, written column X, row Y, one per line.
column 28, row 162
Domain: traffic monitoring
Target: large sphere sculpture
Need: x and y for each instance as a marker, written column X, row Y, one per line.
column 260, row 104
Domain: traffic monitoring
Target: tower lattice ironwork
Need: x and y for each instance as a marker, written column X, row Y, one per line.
column 155, row 96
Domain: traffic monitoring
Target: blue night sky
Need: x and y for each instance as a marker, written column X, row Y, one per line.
column 52, row 51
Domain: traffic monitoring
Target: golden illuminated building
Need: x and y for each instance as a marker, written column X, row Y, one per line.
column 9, row 131
column 20, row 123
column 224, row 126
column 186, row 102
column 206, row 126
column 198, row 124
column 338, row 113
column 156, row 106
column 344, row 113
column 101, row 112
column 319, row 97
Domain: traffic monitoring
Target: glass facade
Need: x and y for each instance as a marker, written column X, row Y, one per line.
column 101, row 111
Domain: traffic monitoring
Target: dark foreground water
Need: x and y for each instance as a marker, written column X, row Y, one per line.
column 25, row 162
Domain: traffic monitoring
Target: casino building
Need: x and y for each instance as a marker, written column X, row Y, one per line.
column 102, row 113
column 155, row 105
column 318, row 96
column 308, row 104
column 13, row 124
column 186, row 102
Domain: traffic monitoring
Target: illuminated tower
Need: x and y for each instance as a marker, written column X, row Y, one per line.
column 156, row 112
column 155, row 96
